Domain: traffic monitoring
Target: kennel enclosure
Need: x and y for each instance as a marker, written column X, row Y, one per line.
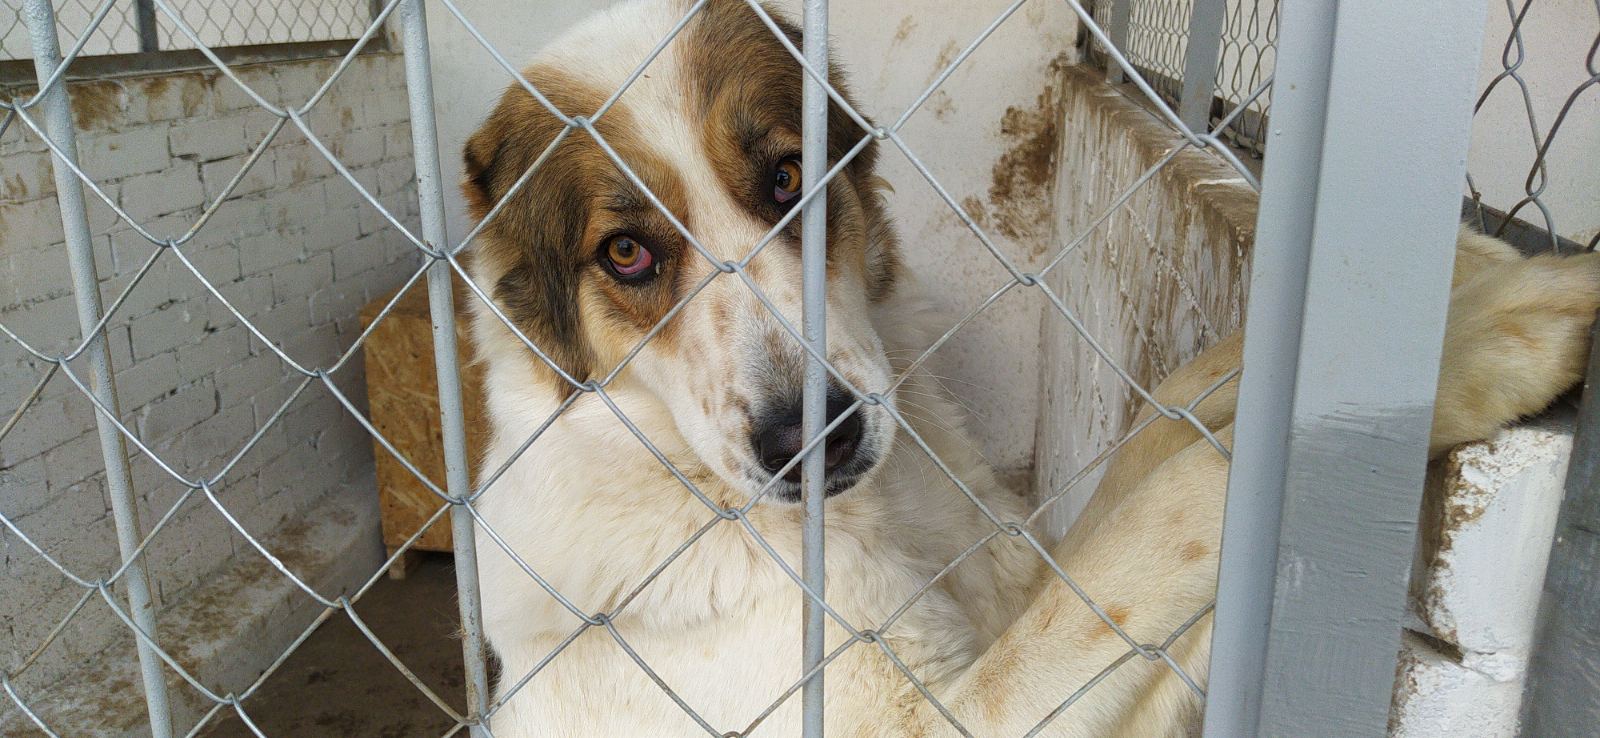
column 1307, row 624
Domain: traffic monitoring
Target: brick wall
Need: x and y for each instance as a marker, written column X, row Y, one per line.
column 294, row 248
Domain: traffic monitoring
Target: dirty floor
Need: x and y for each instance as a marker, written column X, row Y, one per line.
column 338, row 684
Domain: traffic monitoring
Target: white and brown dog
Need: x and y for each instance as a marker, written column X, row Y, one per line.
column 585, row 266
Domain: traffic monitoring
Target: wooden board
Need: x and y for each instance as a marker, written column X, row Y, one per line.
column 403, row 394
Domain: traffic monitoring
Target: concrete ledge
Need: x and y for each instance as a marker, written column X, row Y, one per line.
column 217, row 629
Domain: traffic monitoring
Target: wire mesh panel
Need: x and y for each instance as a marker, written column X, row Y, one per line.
column 1166, row 649
column 1157, row 39
column 133, row 26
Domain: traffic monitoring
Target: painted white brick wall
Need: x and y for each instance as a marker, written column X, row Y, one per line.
column 295, row 249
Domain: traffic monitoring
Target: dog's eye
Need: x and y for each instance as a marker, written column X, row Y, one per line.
column 786, row 180
column 628, row 259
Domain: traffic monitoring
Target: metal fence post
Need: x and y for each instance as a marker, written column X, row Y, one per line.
column 1563, row 692
column 1333, row 416
column 1200, row 63
column 144, row 21
column 814, row 418
column 441, row 306
column 57, row 109
column 1117, row 30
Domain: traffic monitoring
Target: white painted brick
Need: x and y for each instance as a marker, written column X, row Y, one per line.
column 177, row 412
column 74, row 461
column 38, row 274
column 29, row 225
column 358, row 256
column 23, row 488
column 259, row 255
column 160, row 193
column 296, row 161
column 360, row 147
column 239, row 382
column 250, row 295
column 108, row 156
column 386, row 108
column 159, row 331
column 48, row 326
column 27, row 176
column 258, row 77
column 331, row 231
column 397, row 141
column 297, row 281
column 147, row 380
column 217, row 437
column 217, row 174
column 215, row 351
column 209, row 139
column 395, row 175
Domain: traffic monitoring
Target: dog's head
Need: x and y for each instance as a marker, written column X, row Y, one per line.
column 584, row 264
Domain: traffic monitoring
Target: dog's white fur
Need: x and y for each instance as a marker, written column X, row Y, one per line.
column 999, row 640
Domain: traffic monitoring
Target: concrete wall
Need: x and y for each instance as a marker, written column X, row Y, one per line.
column 297, row 252
column 1161, row 279
column 991, row 136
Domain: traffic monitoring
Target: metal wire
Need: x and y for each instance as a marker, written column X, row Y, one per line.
column 134, row 27
column 455, row 497
column 1153, row 61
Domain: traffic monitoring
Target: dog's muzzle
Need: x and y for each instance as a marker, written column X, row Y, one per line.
column 777, row 438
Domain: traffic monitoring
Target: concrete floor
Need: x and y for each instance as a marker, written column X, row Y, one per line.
column 338, row 684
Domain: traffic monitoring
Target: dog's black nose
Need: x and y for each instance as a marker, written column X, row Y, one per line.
column 778, row 437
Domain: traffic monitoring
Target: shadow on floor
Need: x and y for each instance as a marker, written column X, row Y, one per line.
column 338, row 684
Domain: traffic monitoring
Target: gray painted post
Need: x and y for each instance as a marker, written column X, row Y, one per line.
column 57, row 109
column 144, row 21
column 1341, row 360
column 1117, row 30
column 441, row 307
column 1200, row 63
column 814, row 417
column 1563, row 693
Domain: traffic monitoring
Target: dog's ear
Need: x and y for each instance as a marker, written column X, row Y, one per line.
column 481, row 161
column 530, row 256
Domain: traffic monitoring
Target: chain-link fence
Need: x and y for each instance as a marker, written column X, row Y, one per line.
column 137, row 27
column 46, row 115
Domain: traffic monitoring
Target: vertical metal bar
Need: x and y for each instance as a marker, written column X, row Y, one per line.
column 1563, row 693
column 144, row 21
column 1121, row 20
column 441, row 306
column 57, row 110
column 814, row 261
column 1333, row 414
column 1200, row 63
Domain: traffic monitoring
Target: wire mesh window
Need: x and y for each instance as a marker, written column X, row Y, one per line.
column 1157, row 36
column 136, row 26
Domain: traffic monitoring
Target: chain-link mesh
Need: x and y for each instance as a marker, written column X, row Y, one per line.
column 195, row 26
column 216, row 23
column 201, row 31
column 1533, row 63
column 1158, row 37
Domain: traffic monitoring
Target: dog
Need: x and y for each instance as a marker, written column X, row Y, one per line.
column 580, row 263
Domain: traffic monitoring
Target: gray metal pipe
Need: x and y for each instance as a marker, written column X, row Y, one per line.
column 814, row 261
column 441, row 308
column 41, row 22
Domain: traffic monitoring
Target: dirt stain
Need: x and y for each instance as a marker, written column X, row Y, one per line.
column 907, row 25
column 1022, row 181
column 96, row 104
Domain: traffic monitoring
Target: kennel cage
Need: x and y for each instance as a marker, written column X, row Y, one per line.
column 1416, row 62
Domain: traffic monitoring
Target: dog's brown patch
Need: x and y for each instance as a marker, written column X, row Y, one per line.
column 1194, row 550
column 541, row 251
column 748, row 87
